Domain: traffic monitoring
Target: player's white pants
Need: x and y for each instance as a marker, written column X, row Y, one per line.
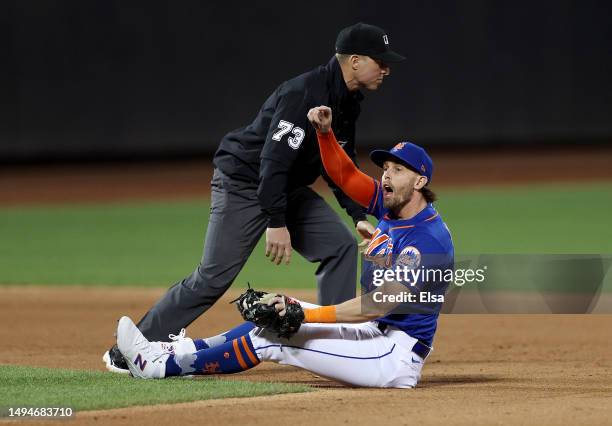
column 355, row 354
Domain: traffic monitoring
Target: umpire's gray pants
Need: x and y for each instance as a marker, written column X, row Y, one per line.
column 236, row 225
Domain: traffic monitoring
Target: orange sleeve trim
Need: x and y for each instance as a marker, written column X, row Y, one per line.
column 376, row 241
column 341, row 169
column 250, row 354
column 431, row 218
column 239, row 355
column 322, row 314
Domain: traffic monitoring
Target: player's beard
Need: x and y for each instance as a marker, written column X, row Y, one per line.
column 397, row 202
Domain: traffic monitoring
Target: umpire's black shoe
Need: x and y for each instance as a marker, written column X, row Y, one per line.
column 114, row 361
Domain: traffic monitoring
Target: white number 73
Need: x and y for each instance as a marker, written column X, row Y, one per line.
column 285, row 127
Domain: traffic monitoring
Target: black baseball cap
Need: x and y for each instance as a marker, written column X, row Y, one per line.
column 365, row 39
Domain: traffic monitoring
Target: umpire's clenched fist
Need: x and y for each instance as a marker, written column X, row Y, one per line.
column 321, row 118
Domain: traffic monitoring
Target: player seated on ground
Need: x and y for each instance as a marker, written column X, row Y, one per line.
column 372, row 340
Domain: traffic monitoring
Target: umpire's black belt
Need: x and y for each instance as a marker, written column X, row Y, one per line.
column 419, row 348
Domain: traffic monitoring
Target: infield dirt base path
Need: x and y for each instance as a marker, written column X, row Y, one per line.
column 489, row 369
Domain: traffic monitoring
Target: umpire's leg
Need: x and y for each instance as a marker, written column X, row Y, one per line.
column 235, row 226
column 318, row 234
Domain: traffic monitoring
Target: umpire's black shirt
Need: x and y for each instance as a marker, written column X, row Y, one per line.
column 279, row 151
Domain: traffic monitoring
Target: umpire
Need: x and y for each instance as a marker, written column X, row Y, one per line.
column 261, row 183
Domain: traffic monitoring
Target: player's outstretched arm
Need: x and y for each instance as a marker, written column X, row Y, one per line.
column 338, row 165
column 363, row 308
column 360, row 309
column 284, row 315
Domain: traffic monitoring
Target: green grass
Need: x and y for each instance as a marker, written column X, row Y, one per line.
column 148, row 244
column 539, row 219
column 156, row 244
column 91, row 390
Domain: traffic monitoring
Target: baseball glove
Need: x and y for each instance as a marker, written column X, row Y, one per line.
column 259, row 308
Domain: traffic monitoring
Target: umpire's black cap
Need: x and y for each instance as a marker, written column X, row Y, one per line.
column 365, row 39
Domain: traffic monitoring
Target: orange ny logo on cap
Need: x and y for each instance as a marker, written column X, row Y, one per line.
column 399, row 145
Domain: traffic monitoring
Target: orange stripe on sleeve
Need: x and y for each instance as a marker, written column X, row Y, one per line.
column 239, row 355
column 250, row 354
column 341, row 169
column 376, row 241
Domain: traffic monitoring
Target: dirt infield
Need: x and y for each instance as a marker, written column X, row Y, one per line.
column 487, row 369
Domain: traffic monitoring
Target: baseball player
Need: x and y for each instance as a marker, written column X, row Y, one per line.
column 261, row 185
column 360, row 342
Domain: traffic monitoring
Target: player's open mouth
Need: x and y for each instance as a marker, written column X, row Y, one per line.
column 387, row 190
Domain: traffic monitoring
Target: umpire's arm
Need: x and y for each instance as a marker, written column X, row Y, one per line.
column 288, row 130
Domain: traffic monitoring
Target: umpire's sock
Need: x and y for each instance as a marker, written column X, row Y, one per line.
column 236, row 332
column 230, row 357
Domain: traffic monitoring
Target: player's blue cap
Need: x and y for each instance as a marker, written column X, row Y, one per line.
column 412, row 155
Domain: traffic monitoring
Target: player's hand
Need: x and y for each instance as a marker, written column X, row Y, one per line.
column 278, row 245
column 366, row 230
column 321, row 118
column 279, row 304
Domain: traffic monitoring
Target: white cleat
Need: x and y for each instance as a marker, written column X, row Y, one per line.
column 146, row 360
column 179, row 344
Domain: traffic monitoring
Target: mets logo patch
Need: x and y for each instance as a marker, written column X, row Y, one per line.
column 409, row 257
